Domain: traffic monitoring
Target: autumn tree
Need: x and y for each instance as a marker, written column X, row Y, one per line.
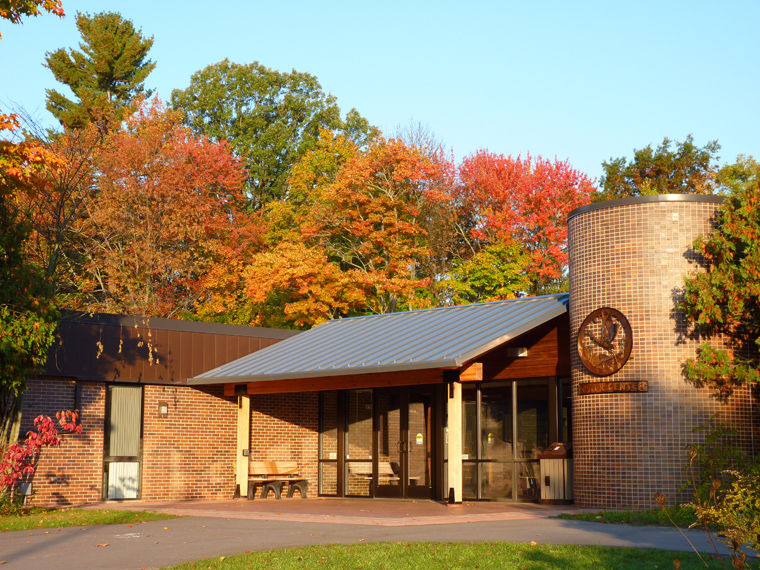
column 14, row 10
column 724, row 298
column 168, row 208
column 672, row 168
column 54, row 209
column 297, row 284
column 523, row 201
column 496, row 272
column 270, row 118
column 106, row 73
column 27, row 313
column 356, row 242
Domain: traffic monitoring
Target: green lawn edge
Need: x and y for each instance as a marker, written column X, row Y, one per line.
column 459, row 555
column 58, row 518
column 683, row 517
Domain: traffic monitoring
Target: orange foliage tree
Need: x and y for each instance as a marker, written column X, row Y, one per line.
column 27, row 313
column 525, row 200
column 14, row 10
column 355, row 241
column 168, row 209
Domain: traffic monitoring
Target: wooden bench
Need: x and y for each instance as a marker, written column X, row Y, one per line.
column 272, row 475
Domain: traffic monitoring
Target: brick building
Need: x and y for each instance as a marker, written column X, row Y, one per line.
column 451, row 403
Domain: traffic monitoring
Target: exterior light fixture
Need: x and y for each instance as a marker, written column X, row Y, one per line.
column 163, row 409
column 517, row 352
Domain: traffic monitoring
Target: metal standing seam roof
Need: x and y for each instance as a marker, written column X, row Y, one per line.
column 445, row 337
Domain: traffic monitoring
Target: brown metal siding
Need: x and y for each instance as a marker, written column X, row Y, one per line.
column 177, row 354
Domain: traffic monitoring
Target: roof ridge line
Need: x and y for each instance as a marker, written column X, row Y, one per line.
column 447, row 307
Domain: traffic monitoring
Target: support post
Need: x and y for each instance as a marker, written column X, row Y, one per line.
column 243, row 443
column 454, row 423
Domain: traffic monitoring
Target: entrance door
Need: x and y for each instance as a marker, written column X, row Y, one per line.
column 123, row 451
column 403, row 417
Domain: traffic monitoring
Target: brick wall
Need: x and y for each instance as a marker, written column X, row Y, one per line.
column 630, row 446
column 190, row 453
column 285, row 427
column 72, row 473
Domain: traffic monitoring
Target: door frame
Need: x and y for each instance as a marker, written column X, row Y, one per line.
column 107, row 458
column 404, row 489
column 433, row 444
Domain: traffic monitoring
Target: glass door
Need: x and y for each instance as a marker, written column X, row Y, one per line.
column 404, row 450
column 418, row 444
column 390, row 443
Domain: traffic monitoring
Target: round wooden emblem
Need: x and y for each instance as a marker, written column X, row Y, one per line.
column 605, row 341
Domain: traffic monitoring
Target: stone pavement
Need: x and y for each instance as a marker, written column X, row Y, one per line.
column 214, row 529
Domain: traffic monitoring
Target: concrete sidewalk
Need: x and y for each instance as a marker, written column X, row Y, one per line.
column 375, row 512
column 162, row 543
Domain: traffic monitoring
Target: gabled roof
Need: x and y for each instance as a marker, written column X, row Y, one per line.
column 446, row 337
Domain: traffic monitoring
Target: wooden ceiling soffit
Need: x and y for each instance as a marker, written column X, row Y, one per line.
column 347, row 382
column 472, row 372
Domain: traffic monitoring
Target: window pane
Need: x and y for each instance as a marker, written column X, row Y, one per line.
column 388, row 437
column 469, row 480
column 328, row 478
column 496, row 423
column 359, row 478
column 328, row 429
column 532, row 418
column 419, row 444
column 469, row 423
column 529, row 480
column 359, row 432
column 496, row 480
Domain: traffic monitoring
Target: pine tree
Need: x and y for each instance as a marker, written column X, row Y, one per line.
column 105, row 75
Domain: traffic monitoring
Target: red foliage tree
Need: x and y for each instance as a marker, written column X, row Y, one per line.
column 20, row 460
column 169, row 209
column 526, row 201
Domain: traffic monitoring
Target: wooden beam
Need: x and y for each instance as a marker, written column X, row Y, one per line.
column 243, row 443
column 454, row 442
column 472, row 373
column 348, row 382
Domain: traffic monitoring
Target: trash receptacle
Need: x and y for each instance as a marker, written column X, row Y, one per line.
column 556, row 465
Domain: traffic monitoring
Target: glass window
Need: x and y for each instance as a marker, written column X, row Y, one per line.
column 532, row 418
column 358, row 474
column 469, row 423
column 507, row 425
column 359, row 427
column 328, row 443
column 496, row 480
column 328, row 429
column 496, row 423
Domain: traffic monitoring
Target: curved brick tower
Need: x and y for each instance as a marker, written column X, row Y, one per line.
column 631, row 255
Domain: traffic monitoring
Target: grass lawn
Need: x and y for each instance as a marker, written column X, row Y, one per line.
column 43, row 518
column 682, row 516
column 458, row 555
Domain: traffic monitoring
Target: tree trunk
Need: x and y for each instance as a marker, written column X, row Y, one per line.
column 10, row 418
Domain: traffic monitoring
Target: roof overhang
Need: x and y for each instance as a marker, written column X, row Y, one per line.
column 383, row 344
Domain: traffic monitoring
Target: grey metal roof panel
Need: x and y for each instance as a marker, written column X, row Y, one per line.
column 432, row 338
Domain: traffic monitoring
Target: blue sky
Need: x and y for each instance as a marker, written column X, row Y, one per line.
column 584, row 81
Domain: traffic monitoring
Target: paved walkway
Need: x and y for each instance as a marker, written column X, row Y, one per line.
column 374, row 512
column 215, row 529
